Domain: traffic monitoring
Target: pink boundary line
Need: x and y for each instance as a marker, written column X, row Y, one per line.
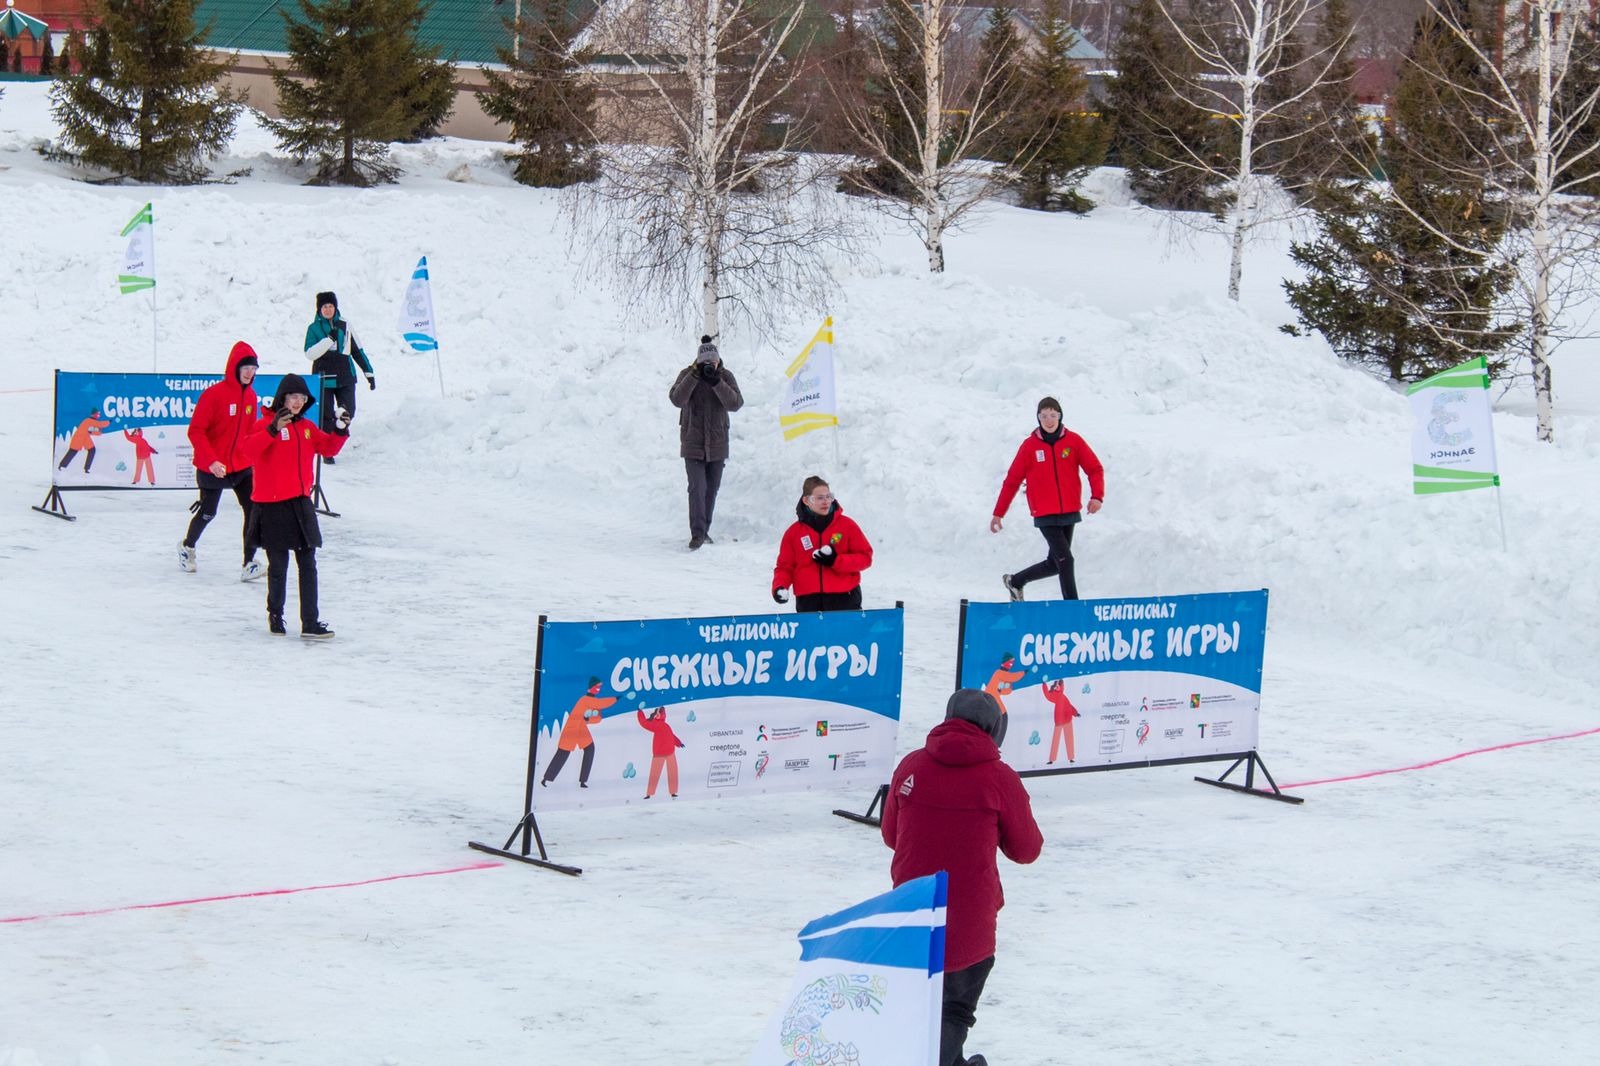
column 1440, row 762
column 250, row 895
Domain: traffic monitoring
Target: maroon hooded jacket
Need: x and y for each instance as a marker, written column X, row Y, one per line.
column 951, row 804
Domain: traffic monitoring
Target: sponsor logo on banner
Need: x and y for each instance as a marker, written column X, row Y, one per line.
column 1194, row 699
column 761, row 763
column 723, row 775
column 1111, row 741
column 822, row 728
column 1143, row 733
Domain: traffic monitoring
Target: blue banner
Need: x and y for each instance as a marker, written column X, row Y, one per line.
column 716, row 706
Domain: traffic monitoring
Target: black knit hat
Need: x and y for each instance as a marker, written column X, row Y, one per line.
column 327, row 298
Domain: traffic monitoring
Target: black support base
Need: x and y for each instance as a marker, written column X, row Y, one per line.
column 55, row 506
column 527, row 828
column 1251, row 761
column 869, row 818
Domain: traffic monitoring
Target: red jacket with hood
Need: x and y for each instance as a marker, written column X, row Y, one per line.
column 1052, row 471
column 285, row 462
column 951, row 804
column 225, row 414
column 796, row 567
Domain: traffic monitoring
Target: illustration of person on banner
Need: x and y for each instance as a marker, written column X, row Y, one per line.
column 952, row 804
column 705, row 392
column 142, row 451
column 821, row 555
column 82, row 440
column 223, row 417
column 1056, row 693
column 283, row 450
column 1052, row 460
column 664, row 745
column 331, row 346
column 575, row 736
column 999, row 686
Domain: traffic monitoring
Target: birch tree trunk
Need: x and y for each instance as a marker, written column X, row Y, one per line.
column 933, row 86
column 1543, row 261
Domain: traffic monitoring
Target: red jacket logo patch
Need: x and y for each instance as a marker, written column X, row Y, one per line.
column 906, row 785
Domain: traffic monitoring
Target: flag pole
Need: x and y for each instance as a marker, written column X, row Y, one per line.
column 1501, row 507
column 155, row 326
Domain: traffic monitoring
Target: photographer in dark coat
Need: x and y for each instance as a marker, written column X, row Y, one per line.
column 704, row 393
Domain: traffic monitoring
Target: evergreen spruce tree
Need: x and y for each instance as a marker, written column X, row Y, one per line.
column 1170, row 149
column 1404, row 278
column 147, row 107
column 16, row 61
column 899, row 38
column 359, row 80
column 1000, row 63
column 1068, row 141
column 1577, row 92
column 546, row 100
column 64, row 60
column 47, row 58
column 5, row 53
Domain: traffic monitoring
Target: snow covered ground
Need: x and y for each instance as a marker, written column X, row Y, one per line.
column 156, row 744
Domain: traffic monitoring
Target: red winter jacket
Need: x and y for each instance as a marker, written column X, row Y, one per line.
column 796, row 567
column 951, row 804
column 225, row 414
column 1052, row 474
column 663, row 741
column 285, row 462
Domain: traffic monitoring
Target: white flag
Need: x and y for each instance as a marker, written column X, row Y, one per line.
column 139, row 261
column 810, row 402
column 870, row 985
column 416, row 311
column 1452, row 440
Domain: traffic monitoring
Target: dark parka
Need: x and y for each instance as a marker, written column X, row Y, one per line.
column 703, row 413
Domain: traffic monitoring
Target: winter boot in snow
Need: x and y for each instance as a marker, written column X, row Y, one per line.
column 695, row 542
column 316, row 631
column 709, row 540
column 1012, row 590
column 252, row 570
column 977, row 1060
column 275, row 625
column 186, row 557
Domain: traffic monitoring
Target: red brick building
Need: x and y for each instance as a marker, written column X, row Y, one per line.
column 62, row 16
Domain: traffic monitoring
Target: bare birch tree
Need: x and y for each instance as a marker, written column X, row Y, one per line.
column 701, row 204
column 1257, row 75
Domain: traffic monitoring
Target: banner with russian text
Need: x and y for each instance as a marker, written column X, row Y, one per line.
column 870, row 986
column 707, row 708
column 1115, row 682
column 1452, row 438
column 131, row 431
column 810, row 400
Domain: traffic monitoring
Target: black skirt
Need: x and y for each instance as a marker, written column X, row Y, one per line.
column 286, row 525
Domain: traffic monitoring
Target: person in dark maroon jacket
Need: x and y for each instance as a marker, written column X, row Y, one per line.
column 952, row 803
column 224, row 414
column 821, row 555
column 1052, row 460
column 284, row 448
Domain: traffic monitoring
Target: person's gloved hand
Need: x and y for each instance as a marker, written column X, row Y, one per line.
column 341, row 423
column 824, row 555
column 780, row 595
column 680, row 743
column 372, row 383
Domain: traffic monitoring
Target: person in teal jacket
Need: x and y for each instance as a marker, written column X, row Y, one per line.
column 331, row 346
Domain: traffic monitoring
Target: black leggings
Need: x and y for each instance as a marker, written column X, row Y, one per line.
column 559, row 760
column 210, row 498
column 1059, row 562
column 336, row 396
column 962, row 990
column 278, row 582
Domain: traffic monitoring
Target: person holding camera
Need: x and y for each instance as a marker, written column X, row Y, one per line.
column 821, row 555
column 283, row 448
column 704, row 393
column 331, row 346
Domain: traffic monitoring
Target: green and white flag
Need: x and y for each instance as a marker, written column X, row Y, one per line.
column 1452, row 442
column 139, row 261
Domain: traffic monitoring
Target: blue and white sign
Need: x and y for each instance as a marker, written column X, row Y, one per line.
column 702, row 708
column 1114, row 682
column 870, row 986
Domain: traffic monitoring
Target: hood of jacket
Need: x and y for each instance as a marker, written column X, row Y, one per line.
column 958, row 742
column 816, row 521
column 290, row 384
column 240, row 353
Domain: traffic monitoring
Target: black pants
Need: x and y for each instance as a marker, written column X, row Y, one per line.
column 343, row 395
column 829, row 601
column 211, row 488
column 1059, row 562
column 560, row 760
column 278, row 580
column 705, row 478
column 962, row 990
column 88, row 458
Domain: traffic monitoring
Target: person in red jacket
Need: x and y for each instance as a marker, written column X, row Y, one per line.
column 1065, row 712
column 142, row 451
column 225, row 413
column 1052, row 461
column 283, row 450
column 664, row 745
column 821, row 555
column 952, row 803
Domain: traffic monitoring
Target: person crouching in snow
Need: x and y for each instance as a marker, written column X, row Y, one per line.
column 821, row 555
column 664, row 745
column 282, row 449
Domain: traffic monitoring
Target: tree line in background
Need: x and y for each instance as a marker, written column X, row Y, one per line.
column 1460, row 222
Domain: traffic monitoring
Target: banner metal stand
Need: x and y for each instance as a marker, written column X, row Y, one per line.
column 880, row 797
column 55, row 505
column 528, row 826
column 319, row 498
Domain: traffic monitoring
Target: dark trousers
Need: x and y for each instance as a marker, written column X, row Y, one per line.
column 962, row 990
column 278, row 580
column 88, row 458
column 705, row 478
column 1058, row 562
column 829, row 601
column 343, row 395
column 560, row 760
column 211, row 497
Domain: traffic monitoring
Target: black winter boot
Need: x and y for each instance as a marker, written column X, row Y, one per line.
column 275, row 625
